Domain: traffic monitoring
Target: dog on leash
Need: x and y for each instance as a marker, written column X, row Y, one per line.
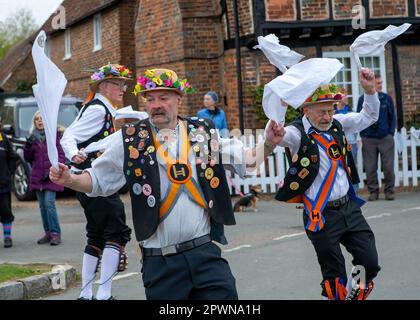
column 249, row 200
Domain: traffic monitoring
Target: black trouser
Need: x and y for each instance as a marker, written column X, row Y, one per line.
column 6, row 215
column 197, row 274
column 347, row 226
column 105, row 220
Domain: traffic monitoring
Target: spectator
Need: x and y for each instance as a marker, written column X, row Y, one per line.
column 8, row 161
column 342, row 107
column 35, row 152
column 214, row 113
column 379, row 139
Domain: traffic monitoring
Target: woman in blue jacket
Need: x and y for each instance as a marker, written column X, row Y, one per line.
column 212, row 112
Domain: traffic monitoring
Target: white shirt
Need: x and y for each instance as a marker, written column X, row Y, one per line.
column 82, row 129
column 351, row 122
column 186, row 220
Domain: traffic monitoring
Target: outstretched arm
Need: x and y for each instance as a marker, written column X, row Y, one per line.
column 274, row 135
column 62, row 176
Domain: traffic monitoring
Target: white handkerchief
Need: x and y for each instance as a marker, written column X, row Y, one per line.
column 278, row 55
column 297, row 84
column 48, row 91
column 373, row 42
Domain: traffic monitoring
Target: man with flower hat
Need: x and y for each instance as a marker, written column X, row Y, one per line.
column 321, row 175
column 178, row 188
column 106, row 227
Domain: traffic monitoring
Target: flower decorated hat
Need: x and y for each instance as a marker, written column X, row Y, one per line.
column 162, row 79
column 325, row 93
column 109, row 71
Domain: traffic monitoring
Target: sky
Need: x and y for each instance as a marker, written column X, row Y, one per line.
column 41, row 9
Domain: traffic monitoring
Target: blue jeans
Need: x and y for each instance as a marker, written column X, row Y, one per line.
column 46, row 200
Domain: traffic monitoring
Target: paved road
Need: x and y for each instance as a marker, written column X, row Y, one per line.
column 269, row 253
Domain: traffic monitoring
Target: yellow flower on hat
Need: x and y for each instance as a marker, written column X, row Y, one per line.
column 158, row 81
column 150, row 73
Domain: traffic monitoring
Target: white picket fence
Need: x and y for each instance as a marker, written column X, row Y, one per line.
column 274, row 169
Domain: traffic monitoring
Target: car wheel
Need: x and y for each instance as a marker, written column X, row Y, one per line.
column 21, row 183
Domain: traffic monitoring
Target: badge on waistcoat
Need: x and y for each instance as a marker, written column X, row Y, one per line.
column 179, row 172
column 334, row 151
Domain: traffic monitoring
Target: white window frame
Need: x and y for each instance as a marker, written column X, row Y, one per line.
column 67, row 44
column 97, row 32
column 355, row 74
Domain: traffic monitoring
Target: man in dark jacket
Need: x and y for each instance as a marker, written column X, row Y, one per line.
column 8, row 162
column 379, row 139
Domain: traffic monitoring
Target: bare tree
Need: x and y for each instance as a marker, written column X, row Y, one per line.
column 17, row 27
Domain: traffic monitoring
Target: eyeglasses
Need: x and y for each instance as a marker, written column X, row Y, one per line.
column 121, row 85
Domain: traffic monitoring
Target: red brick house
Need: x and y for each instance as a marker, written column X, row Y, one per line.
column 196, row 38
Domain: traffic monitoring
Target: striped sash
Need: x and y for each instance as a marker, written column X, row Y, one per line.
column 314, row 208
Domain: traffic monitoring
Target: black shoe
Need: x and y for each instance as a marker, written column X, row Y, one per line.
column 389, row 196
column 8, row 243
column 373, row 196
column 83, row 298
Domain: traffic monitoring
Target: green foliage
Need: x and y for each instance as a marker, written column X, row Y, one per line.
column 413, row 120
column 23, row 86
column 10, row 272
column 291, row 113
column 17, row 27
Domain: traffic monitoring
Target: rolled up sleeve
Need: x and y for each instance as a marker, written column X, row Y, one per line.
column 358, row 121
column 107, row 170
column 233, row 156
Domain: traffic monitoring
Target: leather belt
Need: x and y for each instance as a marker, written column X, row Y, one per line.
column 338, row 203
column 177, row 248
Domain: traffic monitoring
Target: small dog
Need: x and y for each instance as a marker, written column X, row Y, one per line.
column 248, row 200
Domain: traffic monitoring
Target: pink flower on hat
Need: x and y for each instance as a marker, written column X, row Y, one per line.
column 168, row 83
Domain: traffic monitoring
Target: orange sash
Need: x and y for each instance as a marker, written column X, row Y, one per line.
column 178, row 169
column 315, row 207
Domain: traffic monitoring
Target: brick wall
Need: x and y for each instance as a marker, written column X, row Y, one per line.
column 409, row 59
column 315, row 9
column 24, row 75
column 245, row 16
column 117, row 47
column 276, row 10
column 185, row 36
column 388, row 8
column 343, row 8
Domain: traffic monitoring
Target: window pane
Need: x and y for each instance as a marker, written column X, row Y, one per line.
column 347, row 63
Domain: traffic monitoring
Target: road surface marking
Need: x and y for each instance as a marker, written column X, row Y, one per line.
column 289, row 236
column 237, row 248
column 379, row 216
column 410, row 209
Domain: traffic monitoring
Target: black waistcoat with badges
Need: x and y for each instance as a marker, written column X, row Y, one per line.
column 142, row 174
column 106, row 130
column 304, row 166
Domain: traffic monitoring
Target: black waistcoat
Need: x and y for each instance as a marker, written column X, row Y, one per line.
column 141, row 168
column 304, row 166
column 106, row 130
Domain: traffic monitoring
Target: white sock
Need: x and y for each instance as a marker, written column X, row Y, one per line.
column 349, row 286
column 110, row 261
column 88, row 275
